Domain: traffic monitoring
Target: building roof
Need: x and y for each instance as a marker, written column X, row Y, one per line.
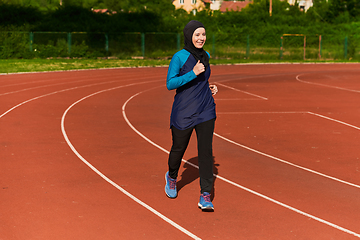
column 103, row 11
column 205, row 1
column 233, row 5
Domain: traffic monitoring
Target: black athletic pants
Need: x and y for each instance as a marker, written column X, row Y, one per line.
column 204, row 132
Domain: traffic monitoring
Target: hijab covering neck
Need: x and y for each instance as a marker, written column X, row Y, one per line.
column 198, row 53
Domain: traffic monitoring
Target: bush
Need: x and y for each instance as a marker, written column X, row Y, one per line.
column 251, row 31
column 15, row 45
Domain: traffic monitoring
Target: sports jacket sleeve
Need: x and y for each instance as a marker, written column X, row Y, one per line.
column 174, row 80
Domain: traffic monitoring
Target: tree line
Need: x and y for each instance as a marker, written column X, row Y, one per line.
column 161, row 16
column 335, row 20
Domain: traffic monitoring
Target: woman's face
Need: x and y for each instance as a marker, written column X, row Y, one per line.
column 199, row 37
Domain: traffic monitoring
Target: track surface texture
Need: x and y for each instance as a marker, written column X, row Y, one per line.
column 84, row 154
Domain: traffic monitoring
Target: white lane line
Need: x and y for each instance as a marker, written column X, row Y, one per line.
column 43, row 86
column 286, row 162
column 52, row 93
column 46, row 81
column 331, row 119
column 261, row 112
column 143, row 136
column 238, row 99
column 93, row 168
column 166, row 219
column 238, row 185
column 221, row 84
column 24, row 83
column 133, row 128
column 324, row 85
column 293, row 209
column 56, row 84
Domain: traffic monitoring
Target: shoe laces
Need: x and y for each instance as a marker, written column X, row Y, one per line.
column 172, row 183
column 206, row 197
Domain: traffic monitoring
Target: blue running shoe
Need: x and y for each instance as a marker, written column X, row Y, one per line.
column 205, row 202
column 170, row 187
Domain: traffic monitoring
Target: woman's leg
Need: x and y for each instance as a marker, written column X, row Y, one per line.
column 180, row 140
column 205, row 132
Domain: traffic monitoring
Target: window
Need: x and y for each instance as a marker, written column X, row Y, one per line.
column 193, row 1
column 181, row 1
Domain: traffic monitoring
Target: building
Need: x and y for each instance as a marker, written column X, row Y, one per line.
column 304, row 5
column 223, row 6
column 106, row 11
column 215, row 4
column 233, row 5
column 191, row 5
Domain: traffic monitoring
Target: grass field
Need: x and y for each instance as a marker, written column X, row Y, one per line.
column 41, row 65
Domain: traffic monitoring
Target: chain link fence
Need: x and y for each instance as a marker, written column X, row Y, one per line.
column 261, row 46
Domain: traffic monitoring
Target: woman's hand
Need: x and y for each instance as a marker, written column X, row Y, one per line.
column 198, row 68
column 213, row 89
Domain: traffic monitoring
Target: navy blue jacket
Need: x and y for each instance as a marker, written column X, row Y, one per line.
column 193, row 102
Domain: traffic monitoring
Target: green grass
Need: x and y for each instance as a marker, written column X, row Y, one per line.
column 41, row 65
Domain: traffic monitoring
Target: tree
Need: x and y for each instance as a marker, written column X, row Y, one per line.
column 158, row 6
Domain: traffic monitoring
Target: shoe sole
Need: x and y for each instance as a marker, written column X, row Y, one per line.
column 169, row 196
column 205, row 208
column 165, row 189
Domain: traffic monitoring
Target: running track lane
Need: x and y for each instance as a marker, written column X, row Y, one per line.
column 50, row 193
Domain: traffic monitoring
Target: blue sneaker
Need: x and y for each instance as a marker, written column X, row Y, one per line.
column 170, row 187
column 205, row 202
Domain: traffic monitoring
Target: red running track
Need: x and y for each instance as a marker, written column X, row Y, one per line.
column 84, row 153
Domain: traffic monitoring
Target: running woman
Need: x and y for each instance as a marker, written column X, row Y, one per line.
column 193, row 108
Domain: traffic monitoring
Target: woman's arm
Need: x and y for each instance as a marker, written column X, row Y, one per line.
column 173, row 80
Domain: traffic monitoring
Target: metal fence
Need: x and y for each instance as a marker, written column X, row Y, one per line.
column 164, row 45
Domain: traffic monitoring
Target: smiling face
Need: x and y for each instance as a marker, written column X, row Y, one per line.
column 199, row 37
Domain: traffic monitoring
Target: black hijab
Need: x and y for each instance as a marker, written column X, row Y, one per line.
column 198, row 53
